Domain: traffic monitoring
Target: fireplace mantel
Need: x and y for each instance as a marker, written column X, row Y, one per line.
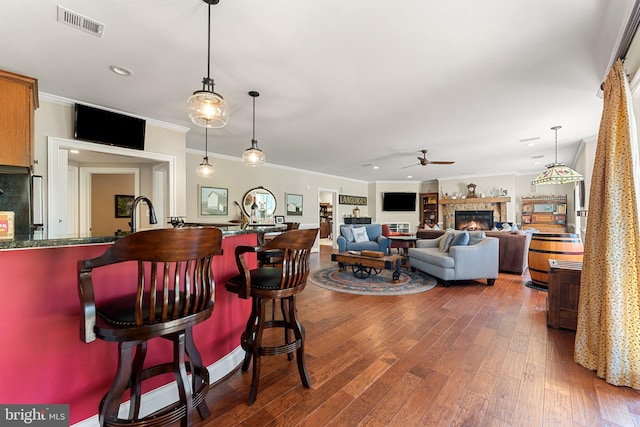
column 497, row 204
column 483, row 200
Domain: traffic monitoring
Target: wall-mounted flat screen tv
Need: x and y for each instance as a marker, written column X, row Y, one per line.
column 403, row 202
column 109, row 128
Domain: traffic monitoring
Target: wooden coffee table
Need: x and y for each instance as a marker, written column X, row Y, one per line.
column 363, row 266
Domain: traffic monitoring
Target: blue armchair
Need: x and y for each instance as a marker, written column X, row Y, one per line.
column 376, row 242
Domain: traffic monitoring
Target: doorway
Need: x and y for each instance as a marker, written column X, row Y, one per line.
column 158, row 176
column 327, row 212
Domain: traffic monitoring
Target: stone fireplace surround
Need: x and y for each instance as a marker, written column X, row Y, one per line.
column 450, row 206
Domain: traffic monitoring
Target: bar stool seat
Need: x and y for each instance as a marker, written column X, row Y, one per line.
column 171, row 293
column 267, row 285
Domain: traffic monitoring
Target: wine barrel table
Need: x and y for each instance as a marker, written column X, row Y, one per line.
column 546, row 246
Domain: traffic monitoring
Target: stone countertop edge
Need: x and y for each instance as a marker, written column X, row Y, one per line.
column 77, row 241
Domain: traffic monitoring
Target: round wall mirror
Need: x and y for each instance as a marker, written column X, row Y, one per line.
column 259, row 204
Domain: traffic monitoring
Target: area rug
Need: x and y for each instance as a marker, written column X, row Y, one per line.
column 381, row 284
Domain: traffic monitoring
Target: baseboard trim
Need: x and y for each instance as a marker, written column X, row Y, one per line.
column 162, row 396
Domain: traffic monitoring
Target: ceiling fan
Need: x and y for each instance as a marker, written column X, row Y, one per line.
column 424, row 161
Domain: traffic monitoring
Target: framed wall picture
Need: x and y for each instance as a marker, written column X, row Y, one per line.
column 123, row 205
column 279, row 219
column 214, row 201
column 294, row 204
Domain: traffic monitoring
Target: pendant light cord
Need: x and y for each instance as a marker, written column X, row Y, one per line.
column 556, row 145
column 206, row 143
column 209, row 45
column 254, row 119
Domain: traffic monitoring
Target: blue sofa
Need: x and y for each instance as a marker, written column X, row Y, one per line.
column 376, row 242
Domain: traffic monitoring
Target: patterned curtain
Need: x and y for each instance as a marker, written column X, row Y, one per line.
column 608, row 333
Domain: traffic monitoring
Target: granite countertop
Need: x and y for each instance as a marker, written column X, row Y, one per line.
column 35, row 242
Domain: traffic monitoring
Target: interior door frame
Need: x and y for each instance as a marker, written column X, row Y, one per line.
column 57, row 178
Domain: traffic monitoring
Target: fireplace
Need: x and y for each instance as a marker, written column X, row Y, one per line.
column 474, row 220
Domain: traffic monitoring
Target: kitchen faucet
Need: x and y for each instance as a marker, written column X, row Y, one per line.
column 134, row 208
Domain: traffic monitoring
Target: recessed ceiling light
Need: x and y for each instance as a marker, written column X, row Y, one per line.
column 74, row 151
column 530, row 142
column 121, row 71
column 376, row 167
column 536, row 163
column 409, row 176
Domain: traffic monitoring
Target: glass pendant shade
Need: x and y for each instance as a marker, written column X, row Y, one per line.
column 208, row 109
column 253, row 156
column 205, row 107
column 557, row 173
column 205, row 170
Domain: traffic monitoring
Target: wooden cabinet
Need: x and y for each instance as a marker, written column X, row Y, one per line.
column 548, row 214
column 428, row 209
column 326, row 219
column 564, row 294
column 18, row 101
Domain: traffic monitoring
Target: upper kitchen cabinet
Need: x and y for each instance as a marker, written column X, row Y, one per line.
column 18, row 101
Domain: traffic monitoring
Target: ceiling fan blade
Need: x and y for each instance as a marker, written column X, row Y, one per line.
column 441, row 163
column 404, row 167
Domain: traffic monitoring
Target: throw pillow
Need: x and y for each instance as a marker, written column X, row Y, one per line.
column 347, row 233
column 476, row 237
column 360, row 235
column 435, row 227
column 445, row 241
column 461, row 239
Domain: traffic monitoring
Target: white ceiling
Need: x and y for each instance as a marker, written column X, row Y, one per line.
column 343, row 84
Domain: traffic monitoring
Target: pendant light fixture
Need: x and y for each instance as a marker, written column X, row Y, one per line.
column 205, row 170
column 253, row 156
column 557, row 173
column 205, row 107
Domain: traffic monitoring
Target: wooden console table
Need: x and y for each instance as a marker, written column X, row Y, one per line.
column 563, row 294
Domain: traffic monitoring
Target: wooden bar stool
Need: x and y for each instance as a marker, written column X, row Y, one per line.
column 270, row 284
column 171, row 293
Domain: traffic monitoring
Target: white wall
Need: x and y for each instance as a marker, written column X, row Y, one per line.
column 54, row 118
column 375, row 193
column 232, row 174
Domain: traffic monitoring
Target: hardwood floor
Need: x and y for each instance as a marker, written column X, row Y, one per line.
column 468, row 355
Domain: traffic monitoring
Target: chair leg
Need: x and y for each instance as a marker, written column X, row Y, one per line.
column 255, row 349
column 196, row 368
column 111, row 403
column 180, row 372
column 287, row 324
column 136, row 380
column 299, row 334
column 247, row 338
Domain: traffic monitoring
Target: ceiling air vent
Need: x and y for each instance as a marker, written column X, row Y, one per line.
column 80, row 22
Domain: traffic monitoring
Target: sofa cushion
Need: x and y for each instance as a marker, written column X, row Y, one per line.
column 346, row 232
column 476, row 237
column 360, row 234
column 461, row 238
column 445, row 241
column 432, row 256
